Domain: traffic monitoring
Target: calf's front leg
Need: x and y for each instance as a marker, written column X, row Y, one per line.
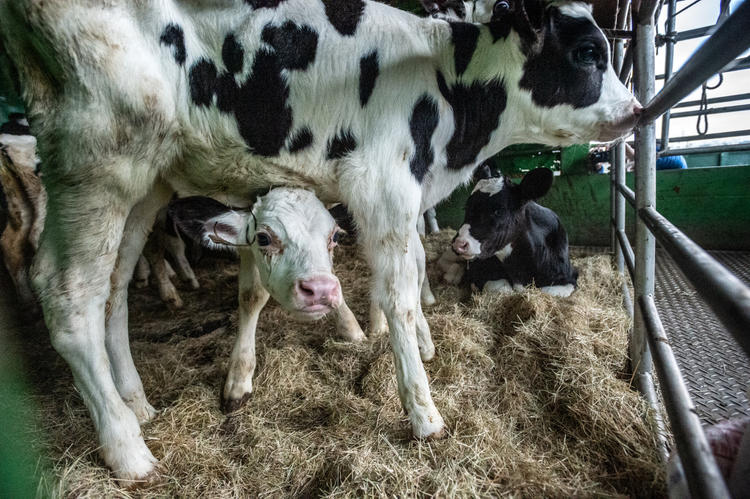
column 252, row 298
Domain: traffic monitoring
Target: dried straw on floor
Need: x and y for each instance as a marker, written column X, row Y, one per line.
column 532, row 388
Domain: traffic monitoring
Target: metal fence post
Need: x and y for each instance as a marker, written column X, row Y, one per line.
column 668, row 63
column 645, row 189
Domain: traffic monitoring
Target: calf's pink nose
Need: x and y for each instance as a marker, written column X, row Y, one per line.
column 319, row 290
column 460, row 246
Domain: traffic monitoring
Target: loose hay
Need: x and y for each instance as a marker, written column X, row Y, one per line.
column 533, row 390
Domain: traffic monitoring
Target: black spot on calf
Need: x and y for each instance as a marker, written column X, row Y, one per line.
column 202, row 82
column 300, row 140
column 260, row 106
column 464, row 36
column 368, row 73
column 476, row 113
column 295, row 45
column 422, row 124
column 232, row 54
column 570, row 66
column 263, row 4
column 341, row 145
column 344, row 15
column 173, row 36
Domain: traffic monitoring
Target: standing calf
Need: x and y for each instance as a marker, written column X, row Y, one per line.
column 360, row 102
column 509, row 241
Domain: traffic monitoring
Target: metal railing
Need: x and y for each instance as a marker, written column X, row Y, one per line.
column 728, row 297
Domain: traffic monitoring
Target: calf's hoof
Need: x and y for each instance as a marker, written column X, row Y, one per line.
column 194, row 283
column 154, row 478
column 427, row 352
column 140, row 283
column 351, row 332
column 433, row 428
column 230, row 405
column 428, row 299
column 144, row 411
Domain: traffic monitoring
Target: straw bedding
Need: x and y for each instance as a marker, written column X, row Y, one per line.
column 533, row 389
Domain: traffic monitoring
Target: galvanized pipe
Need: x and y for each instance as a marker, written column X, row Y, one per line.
column 627, row 252
column 727, row 296
column 719, row 135
column 627, row 192
column 618, row 177
column 715, row 110
column 703, row 476
column 706, row 149
column 730, row 39
column 713, row 100
column 645, row 195
column 668, row 63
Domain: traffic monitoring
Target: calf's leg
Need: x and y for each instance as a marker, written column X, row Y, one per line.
column 388, row 240
column 137, row 228
column 71, row 275
column 252, row 298
column 347, row 326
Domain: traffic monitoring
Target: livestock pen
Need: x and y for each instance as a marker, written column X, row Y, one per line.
column 309, row 435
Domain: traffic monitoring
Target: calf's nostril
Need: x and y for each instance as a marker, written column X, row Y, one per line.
column 305, row 289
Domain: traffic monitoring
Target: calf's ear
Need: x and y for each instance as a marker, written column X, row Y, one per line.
column 536, row 183
column 482, row 171
column 209, row 222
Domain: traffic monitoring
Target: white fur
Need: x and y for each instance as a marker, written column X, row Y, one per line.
column 475, row 247
column 137, row 124
column 490, row 186
column 499, row 286
column 562, row 290
column 504, row 252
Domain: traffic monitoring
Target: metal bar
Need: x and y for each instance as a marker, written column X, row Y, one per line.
column 618, row 177
column 627, row 192
column 736, row 65
column 618, row 34
column 645, row 13
column 727, row 296
column 627, row 252
column 706, row 149
column 720, row 135
column 668, row 63
column 627, row 64
column 730, row 39
column 703, row 475
column 645, row 188
column 715, row 110
column 713, row 100
column 689, row 34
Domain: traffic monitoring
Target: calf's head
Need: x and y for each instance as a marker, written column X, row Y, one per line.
column 291, row 237
column 495, row 213
column 566, row 91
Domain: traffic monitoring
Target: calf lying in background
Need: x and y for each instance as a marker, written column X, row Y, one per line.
column 509, row 241
column 286, row 247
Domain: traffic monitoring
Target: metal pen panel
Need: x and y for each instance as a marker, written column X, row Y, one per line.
column 701, row 472
column 731, row 38
column 727, row 296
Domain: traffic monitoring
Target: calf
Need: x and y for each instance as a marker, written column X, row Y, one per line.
column 23, row 202
column 285, row 243
column 509, row 241
column 360, row 102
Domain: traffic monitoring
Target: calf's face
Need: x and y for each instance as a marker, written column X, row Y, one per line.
column 495, row 216
column 291, row 236
column 568, row 89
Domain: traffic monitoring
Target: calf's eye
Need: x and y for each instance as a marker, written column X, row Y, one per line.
column 263, row 239
column 586, row 54
column 501, row 7
column 335, row 237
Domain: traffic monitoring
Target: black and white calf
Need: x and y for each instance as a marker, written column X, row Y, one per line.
column 509, row 241
column 358, row 101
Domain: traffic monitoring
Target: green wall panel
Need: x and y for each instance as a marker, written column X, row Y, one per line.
column 711, row 205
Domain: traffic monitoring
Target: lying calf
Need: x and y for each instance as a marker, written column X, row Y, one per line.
column 286, row 247
column 509, row 241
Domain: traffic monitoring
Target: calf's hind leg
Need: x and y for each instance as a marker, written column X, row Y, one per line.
column 137, row 228
column 71, row 274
